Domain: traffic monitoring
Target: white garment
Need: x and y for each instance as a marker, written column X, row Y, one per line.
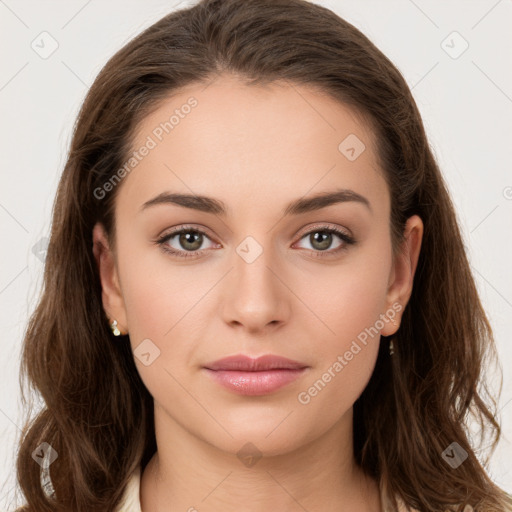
column 131, row 497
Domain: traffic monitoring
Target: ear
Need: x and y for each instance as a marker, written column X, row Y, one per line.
column 402, row 273
column 111, row 295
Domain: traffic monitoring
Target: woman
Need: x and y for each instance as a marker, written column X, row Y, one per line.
column 256, row 294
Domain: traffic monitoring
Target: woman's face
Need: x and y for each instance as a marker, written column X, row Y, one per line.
column 261, row 277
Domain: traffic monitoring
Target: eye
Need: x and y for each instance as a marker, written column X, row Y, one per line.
column 321, row 239
column 189, row 238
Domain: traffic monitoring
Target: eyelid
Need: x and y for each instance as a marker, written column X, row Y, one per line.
column 186, row 227
column 323, row 226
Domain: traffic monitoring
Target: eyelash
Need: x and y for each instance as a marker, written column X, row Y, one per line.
column 348, row 240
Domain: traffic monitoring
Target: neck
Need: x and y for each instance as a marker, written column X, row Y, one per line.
column 187, row 473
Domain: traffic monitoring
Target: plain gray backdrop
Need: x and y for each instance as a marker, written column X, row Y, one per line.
column 456, row 57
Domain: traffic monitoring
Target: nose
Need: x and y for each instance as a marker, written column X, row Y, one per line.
column 256, row 297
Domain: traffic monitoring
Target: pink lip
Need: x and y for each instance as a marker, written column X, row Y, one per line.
column 248, row 376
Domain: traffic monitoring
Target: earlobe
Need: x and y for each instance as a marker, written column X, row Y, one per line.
column 404, row 269
column 111, row 294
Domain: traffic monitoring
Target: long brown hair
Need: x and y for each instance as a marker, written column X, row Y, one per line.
column 98, row 415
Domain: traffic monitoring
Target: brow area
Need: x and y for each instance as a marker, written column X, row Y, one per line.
column 296, row 207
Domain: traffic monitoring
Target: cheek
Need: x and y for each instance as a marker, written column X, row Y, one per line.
column 347, row 298
column 164, row 304
column 157, row 292
column 346, row 353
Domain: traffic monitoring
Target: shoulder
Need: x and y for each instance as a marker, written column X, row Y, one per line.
column 130, row 501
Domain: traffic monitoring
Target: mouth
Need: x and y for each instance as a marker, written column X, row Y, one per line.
column 248, row 376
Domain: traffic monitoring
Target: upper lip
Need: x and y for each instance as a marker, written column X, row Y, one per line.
column 248, row 364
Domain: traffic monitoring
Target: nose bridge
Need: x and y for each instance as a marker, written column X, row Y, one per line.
column 252, row 261
column 257, row 296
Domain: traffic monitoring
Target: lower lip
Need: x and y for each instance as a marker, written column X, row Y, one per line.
column 255, row 383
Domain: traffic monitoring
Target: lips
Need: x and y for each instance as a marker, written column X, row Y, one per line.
column 248, row 364
column 244, row 375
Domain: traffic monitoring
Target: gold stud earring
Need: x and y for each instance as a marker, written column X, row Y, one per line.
column 114, row 328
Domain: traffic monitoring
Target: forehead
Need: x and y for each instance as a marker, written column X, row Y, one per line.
column 253, row 143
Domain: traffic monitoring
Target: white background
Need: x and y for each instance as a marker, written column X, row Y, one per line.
column 466, row 104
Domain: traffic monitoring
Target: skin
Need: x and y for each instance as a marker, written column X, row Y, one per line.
column 256, row 149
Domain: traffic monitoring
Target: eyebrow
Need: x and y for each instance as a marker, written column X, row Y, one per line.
column 297, row 207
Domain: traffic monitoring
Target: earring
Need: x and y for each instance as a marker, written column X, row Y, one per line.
column 114, row 328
